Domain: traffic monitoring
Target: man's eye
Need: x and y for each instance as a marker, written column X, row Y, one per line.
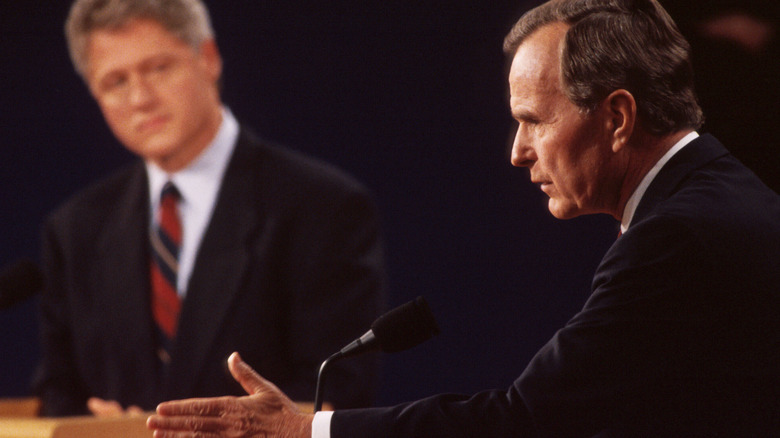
column 160, row 66
column 528, row 123
column 114, row 83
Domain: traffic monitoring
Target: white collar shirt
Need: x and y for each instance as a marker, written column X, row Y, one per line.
column 639, row 192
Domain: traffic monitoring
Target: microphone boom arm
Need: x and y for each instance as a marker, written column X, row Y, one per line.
column 321, row 380
column 399, row 329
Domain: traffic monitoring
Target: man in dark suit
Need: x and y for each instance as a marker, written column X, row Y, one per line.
column 680, row 336
column 252, row 247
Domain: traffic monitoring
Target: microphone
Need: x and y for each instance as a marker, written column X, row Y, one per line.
column 399, row 329
column 18, row 282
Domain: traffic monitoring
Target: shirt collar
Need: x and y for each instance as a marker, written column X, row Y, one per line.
column 204, row 174
column 633, row 201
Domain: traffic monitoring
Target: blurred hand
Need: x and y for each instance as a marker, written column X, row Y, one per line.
column 265, row 412
column 110, row 408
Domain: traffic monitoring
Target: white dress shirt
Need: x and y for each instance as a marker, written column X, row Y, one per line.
column 198, row 184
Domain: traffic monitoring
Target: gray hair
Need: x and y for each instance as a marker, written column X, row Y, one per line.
column 621, row 44
column 187, row 19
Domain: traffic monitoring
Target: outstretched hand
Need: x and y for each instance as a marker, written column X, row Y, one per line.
column 265, row 412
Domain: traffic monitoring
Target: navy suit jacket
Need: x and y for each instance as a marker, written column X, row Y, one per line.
column 680, row 337
column 290, row 269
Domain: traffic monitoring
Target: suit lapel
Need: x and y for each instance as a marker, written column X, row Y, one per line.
column 697, row 153
column 121, row 275
column 220, row 268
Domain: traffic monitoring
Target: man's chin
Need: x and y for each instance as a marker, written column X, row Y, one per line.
column 562, row 211
column 157, row 149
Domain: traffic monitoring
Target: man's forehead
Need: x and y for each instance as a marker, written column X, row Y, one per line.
column 136, row 39
column 537, row 59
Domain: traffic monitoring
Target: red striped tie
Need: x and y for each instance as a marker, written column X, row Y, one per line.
column 166, row 241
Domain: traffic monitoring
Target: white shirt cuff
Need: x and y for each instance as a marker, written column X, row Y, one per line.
column 320, row 426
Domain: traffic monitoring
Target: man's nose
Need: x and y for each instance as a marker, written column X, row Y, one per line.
column 523, row 154
column 141, row 91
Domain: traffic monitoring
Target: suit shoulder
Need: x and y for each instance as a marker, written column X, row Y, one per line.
column 99, row 197
column 287, row 168
column 725, row 211
column 724, row 190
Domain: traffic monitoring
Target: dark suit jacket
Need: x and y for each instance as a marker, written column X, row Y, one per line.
column 680, row 337
column 290, row 269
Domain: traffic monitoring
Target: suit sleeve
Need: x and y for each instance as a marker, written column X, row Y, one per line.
column 619, row 360
column 57, row 381
column 626, row 358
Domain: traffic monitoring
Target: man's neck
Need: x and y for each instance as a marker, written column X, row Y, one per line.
column 645, row 153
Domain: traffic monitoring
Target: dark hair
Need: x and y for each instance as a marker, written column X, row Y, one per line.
column 621, row 44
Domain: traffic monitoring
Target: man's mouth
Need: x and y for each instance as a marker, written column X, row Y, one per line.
column 152, row 123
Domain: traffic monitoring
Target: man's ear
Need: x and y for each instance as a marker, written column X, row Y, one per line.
column 211, row 58
column 620, row 117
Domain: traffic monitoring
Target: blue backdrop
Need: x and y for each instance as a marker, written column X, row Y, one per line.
column 410, row 97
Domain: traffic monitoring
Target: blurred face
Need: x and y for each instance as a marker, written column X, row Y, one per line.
column 566, row 151
column 158, row 95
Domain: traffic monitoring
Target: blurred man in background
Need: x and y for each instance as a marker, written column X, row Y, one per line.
column 213, row 241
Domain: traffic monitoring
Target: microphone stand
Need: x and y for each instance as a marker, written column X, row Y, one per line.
column 321, row 380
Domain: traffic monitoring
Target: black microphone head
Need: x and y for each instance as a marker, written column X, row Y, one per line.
column 405, row 326
column 399, row 329
column 18, row 282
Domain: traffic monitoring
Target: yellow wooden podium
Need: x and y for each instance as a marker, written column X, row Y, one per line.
column 18, row 419
column 74, row 427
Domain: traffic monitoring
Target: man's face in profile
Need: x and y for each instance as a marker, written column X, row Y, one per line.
column 563, row 147
column 158, row 95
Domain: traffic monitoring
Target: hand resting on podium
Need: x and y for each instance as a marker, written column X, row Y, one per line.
column 110, row 408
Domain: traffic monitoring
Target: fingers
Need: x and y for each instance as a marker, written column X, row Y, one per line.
column 104, row 408
column 134, row 411
column 171, row 426
column 187, row 434
column 193, row 417
column 110, row 408
column 247, row 377
column 177, row 434
column 207, row 407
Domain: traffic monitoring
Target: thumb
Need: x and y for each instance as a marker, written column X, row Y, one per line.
column 246, row 376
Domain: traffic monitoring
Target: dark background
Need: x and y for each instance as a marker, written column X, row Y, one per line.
column 409, row 97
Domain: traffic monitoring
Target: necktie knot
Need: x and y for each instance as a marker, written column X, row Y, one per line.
column 169, row 191
column 169, row 221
